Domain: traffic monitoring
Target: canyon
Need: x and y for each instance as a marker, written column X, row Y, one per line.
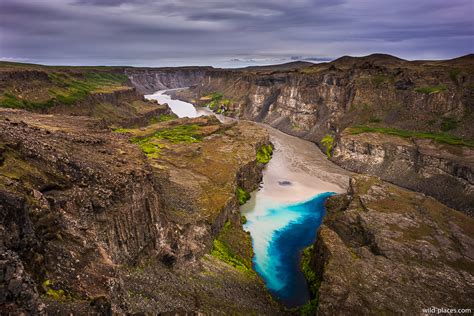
column 112, row 204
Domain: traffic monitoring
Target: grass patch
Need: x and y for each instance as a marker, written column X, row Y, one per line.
column 215, row 97
column 221, row 251
column 9, row 100
column 310, row 308
column 162, row 118
column 431, row 90
column 308, row 272
column 328, row 142
column 264, row 154
column 167, row 117
column 122, row 130
column 58, row 295
column 218, row 103
column 242, row 196
column 180, row 134
column 68, row 89
column 439, row 137
column 151, row 145
column 151, row 149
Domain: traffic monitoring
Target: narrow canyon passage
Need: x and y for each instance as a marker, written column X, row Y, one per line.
column 284, row 214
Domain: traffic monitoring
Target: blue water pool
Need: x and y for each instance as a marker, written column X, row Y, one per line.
column 279, row 234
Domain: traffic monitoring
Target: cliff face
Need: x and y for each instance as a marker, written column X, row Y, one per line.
column 385, row 250
column 149, row 80
column 104, row 93
column 82, row 206
column 73, row 195
column 435, row 99
column 439, row 170
column 329, row 97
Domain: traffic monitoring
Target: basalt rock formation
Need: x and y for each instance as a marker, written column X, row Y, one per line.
column 386, row 250
column 85, row 210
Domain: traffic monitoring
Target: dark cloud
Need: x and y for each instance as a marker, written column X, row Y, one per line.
column 230, row 33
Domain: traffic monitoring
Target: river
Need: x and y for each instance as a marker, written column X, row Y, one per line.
column 284, row 214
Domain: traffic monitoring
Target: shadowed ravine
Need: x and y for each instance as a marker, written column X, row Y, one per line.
column 284, row 214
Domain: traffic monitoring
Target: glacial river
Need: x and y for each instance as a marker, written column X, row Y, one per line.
column 284, row 214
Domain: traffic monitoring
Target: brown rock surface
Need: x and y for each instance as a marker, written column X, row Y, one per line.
column 386, row 250
column 82, row 205
column 443, row 171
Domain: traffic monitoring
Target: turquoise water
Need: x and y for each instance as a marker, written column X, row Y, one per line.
column 284, row 215
column 279, row 234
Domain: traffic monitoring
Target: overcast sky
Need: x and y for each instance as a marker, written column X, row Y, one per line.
column 230, row 33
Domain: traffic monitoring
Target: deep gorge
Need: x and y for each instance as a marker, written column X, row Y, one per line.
column 377, row 91
column 112, row 204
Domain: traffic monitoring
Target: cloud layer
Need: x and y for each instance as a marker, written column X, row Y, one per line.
column 230, row 33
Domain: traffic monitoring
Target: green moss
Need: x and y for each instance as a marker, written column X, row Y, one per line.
column 180, row 134
column 264, row 154
column 9, row 100
column 431, row 90
column 217, row 101
column 150, row 149
column 221, row 251
column 242, row 196
column 441, row 138
column 167, row 117
column 152, row 146
column 313, row 282
column 328, row 142
column 310, row 308
column 243, row 220
column 149, row 146
column 310, row 275
column 121, row 130
column 58, row 295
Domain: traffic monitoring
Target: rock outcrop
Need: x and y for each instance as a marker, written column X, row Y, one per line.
column 386, row 250
column 439, row 170
column 96, row 92
column 149, row 80
column 83, row 207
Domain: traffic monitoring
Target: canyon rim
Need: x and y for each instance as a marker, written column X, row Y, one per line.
column 261, row 158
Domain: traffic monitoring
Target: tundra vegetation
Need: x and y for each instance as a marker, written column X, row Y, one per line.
column 65, row 88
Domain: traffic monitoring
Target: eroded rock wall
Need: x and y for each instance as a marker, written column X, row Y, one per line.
column 149, row 80
column 386, row 250
column 439, row 170
column 82, row 205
